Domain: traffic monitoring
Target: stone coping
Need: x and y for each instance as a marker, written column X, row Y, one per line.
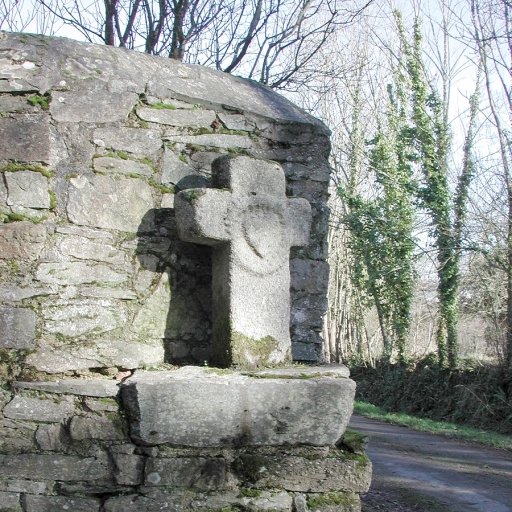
column 209, row 407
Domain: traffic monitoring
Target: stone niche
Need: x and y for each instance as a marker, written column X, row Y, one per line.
column 104, row 308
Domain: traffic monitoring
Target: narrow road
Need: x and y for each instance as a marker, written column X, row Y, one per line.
column 420, row 472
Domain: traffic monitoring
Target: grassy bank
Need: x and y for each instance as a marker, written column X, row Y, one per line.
column 435, row 427
column 475, row 395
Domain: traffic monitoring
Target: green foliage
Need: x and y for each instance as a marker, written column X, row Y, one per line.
column 42, row 101
column 15, row 167
column 381, row 238
column 472, row 394
column 161, row 106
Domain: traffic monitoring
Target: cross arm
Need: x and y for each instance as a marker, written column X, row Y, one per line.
column 201, row 214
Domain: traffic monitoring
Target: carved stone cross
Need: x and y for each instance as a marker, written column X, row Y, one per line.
column 251, row 225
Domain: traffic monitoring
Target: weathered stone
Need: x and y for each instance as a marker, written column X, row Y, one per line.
column 105, row 292
column 21, row 240
column 299, row 503
column 67, row 468
column 333, row 502
column 173, row 169
column 10, row 103
column 49, row 437
column 28, row 189
column 25, row 138
column 251, row 225
column 100, row 107
column 150, row 321
column 104, row 405
column 263, row 500
column 131, row 140
column 81, row 318
column 206, row 409
column 173, row 117
column 17, row 328
column 24, row 486
column 98, row 354
column 167, row 201
column 16, row 86
column 76, row 272
column 309, row 275
column 10, row 501
column 89, row 387
column 97, row 427
column 14, row 293
column 35, row 409
column 215, row 140
column 85, row 232
column 118, row 165
column 236, row 122
column 129, row 468
column 86, row 249
column 305, row 351
column 107, row 203
column 168, row 500
column 304, row 469
column 53, row 503
column 190, row 472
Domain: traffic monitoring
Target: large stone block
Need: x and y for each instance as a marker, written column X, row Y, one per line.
column 98, row 107
column 25, row 138
column 77, row 272
column 65, row 468
column 34, row 409
column 207, row 474
column 173, row 117
column 89, row 427
column 53, row 503
column 90, row 387
column 27, row 189
column 17, row 328
column 203, row 408
column 10, row 501
column 104, row 202
column 304, row 469
column 21, row 240
column 132, row 140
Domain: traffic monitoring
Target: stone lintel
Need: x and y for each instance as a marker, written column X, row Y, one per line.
column 204, row 407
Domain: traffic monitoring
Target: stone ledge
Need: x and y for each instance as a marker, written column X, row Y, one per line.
column 98, row 387
column 201, row 407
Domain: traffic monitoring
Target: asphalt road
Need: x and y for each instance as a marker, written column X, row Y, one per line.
column 416, row 471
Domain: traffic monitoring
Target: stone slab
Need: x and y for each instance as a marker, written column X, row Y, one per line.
column 17, row 328
column 21, row 240
column 88, row 427
column 204, row 408
column 53, row 503
column 34, row 409
column 66, row 468
column 100, row 107
column 131, row 140
column 304, row 470
column 96, row 387
column 27, row 189
column 25, row 138
column 10, row 501
column 24, row 486
column 118, row 165
column 173, row 117
column 103, row 202
column 76, row 272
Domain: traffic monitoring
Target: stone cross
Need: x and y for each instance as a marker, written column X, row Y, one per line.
column 251, row 225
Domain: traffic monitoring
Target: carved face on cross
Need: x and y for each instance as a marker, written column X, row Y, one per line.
column 251, row 225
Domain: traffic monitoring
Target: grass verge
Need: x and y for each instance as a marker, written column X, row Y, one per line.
column 435, row 427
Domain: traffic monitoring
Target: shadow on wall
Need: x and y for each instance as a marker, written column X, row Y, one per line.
column 179, row 272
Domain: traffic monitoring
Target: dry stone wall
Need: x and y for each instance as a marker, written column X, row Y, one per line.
column 95, row 143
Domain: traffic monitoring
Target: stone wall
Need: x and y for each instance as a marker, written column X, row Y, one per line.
column 95, row 143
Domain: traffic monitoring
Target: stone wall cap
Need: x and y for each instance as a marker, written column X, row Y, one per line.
column 84, row 387
column 135, row 72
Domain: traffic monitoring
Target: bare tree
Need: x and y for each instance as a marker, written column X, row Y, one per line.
column 271, row 41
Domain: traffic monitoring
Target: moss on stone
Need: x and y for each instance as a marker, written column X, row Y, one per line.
column 354, row 441
column 193, row 194
column 245, row 492
column 333, row 498
column 249, row 353
column 15, row 167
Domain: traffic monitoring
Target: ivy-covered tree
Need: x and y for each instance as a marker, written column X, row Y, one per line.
column 381, row 227
column 430, row 137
